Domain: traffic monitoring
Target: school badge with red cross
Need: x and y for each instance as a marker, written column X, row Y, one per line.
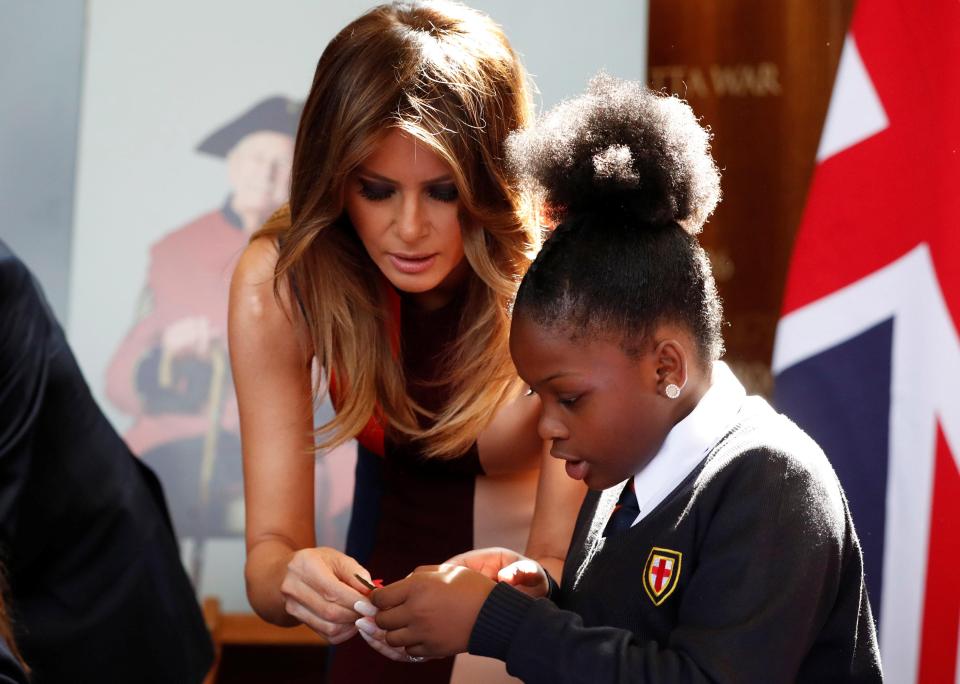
column 661, row 573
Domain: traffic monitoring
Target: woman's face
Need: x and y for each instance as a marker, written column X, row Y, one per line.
column 403, row 203
column 600, row 407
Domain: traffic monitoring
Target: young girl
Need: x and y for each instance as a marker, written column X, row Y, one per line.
column 393, row 268
column 716, row 544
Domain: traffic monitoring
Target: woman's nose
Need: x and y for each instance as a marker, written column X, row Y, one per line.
column 411, row 222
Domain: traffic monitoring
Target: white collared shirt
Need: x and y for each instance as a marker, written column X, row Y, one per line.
column 690, row 440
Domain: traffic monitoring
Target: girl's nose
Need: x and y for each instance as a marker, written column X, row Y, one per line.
column 549, row 427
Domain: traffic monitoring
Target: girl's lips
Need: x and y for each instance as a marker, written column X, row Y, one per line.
column 412, row 264
column 576, row 469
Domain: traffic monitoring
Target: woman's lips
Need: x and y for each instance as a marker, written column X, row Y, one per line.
column 410, row 263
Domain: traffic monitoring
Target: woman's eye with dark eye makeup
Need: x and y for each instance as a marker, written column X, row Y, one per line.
column 445, row 192
column 374, row 191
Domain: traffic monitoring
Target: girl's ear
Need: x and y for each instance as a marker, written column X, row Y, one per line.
column 672, row 362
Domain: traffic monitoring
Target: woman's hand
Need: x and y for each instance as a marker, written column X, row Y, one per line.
column 504, row 565
column 320, row 590
column 376, row 637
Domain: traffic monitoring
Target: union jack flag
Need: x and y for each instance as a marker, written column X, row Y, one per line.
column 867, row 356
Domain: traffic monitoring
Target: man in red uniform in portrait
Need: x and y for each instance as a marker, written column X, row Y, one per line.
column 171, row 372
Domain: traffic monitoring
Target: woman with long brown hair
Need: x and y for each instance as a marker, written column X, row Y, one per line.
column 392, row 270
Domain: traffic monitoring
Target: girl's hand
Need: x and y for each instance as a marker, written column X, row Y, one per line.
column 320, row 590
column 504, row 565
column 432, row 611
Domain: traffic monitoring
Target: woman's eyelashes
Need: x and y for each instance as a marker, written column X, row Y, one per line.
column 443, row 192
column 377, row 191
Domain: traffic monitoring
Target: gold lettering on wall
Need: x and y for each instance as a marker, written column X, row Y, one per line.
column 718, row 80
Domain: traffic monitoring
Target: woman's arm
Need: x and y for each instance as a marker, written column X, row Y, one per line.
column 287, row 580
column 558, row 501
column 272, row 377
column 511, row 442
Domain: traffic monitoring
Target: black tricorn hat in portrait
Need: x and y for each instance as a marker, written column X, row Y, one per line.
column 278, row 113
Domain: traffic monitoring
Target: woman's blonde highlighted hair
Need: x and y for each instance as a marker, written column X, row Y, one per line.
column 445, row 75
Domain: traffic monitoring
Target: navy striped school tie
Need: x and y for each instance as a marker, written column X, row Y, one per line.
column 624, row 513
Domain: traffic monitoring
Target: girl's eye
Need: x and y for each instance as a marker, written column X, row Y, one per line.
column 447, row 192
column 375, row 192
column 567, row 401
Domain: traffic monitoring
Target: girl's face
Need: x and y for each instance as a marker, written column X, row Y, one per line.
column 404, row 205
column 600, row 407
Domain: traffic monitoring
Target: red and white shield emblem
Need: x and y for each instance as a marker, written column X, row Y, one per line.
column 661, row 573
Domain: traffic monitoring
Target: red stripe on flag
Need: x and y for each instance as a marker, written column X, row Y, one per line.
column 872, row 203
column 941, row 610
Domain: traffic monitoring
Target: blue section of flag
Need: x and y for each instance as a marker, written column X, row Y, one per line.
column 841, row 398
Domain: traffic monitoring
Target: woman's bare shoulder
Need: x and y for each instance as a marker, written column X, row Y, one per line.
column 258, row 306
column 257, row 265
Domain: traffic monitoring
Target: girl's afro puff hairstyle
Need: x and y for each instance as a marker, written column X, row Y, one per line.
column 627, row 175
column 623, row 143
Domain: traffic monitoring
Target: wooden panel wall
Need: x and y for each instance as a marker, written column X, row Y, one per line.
column 759, row 73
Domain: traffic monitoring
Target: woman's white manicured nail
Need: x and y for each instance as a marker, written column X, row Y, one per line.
column 367, row 626
column 365, row 608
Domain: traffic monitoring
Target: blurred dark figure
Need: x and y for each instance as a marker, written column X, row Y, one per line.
column 97, row 591
column 12, row 668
